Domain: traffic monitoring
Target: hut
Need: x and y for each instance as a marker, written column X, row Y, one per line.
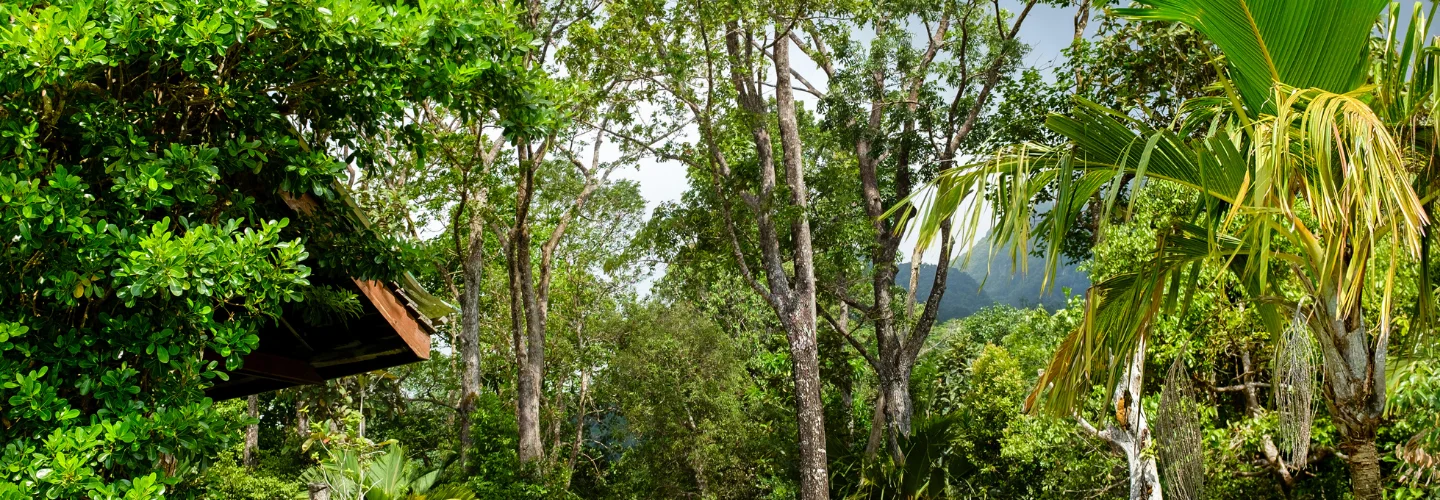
column 391, row 326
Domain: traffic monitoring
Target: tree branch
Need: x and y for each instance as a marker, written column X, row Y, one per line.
column 860, row 348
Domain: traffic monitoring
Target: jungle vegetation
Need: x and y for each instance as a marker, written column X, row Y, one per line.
column 1191, row 257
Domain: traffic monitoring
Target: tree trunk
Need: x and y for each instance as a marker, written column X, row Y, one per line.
column 809, row 407
column 579, row 425
column 302, row 417
column 530, row 294
column 877, row 427
column 319, row 491
column 1354, row 385
column 529, row 354
column 1365, row 470
column 527, row 318
column 801, row 320
column 474, row 265
column 532, row 373
column 893, row 372
column 252, row 433
column 1132, row 437
column 1082, row 20
column 1355, row 392
column 898, row 409
column 1144, row 476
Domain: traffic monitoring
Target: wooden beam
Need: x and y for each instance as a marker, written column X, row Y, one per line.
column 397, row 315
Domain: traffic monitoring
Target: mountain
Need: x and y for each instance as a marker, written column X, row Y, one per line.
column 964, row 294
column 962, row 298
column 1009, row 286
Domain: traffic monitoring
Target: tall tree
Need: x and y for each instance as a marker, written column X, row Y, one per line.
column 907, row 124
column 469, row 151
column 791, row 296
column 737, row 53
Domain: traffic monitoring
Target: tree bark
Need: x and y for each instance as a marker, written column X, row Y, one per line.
column 252, row 433
column 529, row 347
column 1144, row 476
column 810, row 409
column 801, row 321
column 877, row 427
column 1365, row 470
column 1132, row 436
column 1354, row 385
column 898, row 410
column 469, row 352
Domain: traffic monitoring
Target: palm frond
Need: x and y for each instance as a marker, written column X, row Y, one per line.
column 1404, row 69
column 1301, row 43
column 1119, row 313
column 1109, row 149
column 1333, row 152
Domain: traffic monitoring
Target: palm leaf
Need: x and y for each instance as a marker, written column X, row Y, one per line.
column 1301, row 43
column 1119, row 313
column 388, row 476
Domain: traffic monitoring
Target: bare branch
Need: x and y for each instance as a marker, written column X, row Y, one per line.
column 860, row 348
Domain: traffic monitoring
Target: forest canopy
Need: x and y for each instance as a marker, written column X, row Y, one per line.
column 399, row 249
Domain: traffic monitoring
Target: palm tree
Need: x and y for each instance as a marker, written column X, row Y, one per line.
column 1307, row 200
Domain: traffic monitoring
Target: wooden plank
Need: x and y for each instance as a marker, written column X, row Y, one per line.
column 397, row 315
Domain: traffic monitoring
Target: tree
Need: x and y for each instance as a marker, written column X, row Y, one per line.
column 907, row 125
column 146, row 147
column 1284, row 208
column 713, row 69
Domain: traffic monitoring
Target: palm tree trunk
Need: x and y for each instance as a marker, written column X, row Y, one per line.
column 1144, row 475
column 1354, row 390
column 1365, row 471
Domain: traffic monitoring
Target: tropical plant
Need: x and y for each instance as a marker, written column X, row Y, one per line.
column 386, row 473
column 931, row 468
column 1306, row 198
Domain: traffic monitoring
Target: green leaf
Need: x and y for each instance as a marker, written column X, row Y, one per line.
column 268, row 23
column 1301, row 43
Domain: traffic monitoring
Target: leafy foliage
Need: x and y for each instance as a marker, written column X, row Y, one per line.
column 144, row 147
column 1213, row 166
